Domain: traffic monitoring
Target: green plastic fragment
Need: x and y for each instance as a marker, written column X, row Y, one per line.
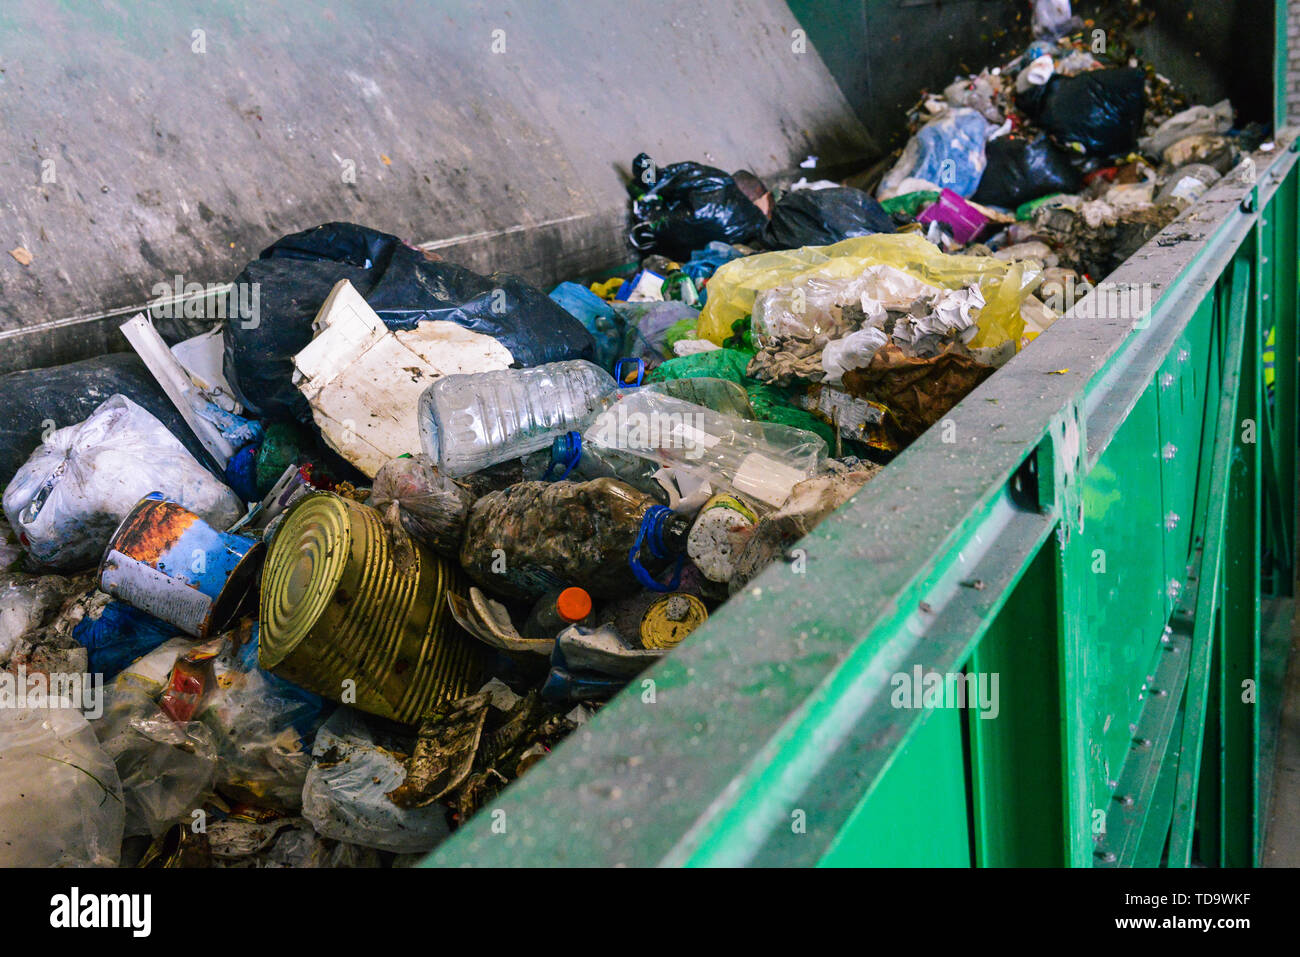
column 1026, row 210
column 909, row 203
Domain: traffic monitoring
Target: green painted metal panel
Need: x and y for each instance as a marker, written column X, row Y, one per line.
column 924, row 794
column 1241, row 822
column 1114, row 597
column 1016, row 757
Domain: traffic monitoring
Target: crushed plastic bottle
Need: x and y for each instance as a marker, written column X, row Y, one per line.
column 762, row 460
column 469, row 422
column 603, row 536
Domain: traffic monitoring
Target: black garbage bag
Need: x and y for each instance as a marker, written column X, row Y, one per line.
column 690, row 206
column 37, row 400
column 819, row 217
column 1101, row 110
column 1021, row 169
column 295, row 274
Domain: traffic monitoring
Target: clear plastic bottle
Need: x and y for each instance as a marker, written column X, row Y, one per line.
column 720, row 395
column 763, row 460
column 567, row 458
column 469, row 422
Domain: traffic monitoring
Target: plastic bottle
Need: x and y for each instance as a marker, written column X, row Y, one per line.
column 568, row 458
column 469, row 422
column 762, row 460
column 678, row 285
column 557, row 610
column 720, row 395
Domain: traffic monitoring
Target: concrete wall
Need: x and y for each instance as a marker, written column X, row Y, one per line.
column 147, row 139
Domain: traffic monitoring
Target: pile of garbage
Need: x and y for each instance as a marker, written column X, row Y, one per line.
column 311, row 587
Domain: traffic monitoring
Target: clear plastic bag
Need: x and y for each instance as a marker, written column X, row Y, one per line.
column 263, row 728
column 433, row 509
column 60, row 798
column 70, row 496
column 345, row 796
column 166, row 767
column 804, row 308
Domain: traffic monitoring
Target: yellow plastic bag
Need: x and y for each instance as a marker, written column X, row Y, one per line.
column 735, row 285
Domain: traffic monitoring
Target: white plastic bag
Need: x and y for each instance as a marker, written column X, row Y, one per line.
column 854, row 351
column 1051, row 18
column 70, row 496
column 1192, row 121
column 60, row 798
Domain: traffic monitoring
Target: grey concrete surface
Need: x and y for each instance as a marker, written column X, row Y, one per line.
column 143, row 140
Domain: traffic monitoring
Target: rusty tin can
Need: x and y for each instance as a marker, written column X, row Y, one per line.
column 357, row 612
column 165, row 560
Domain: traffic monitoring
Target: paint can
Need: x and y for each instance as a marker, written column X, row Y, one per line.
column 165, row 560
column 670, row 619
column 356, row 611
column 710, row 544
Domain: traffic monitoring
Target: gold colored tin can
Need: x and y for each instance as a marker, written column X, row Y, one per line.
column 670, row 619
column 357, row 612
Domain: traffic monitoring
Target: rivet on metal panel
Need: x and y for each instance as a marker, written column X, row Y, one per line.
column 1123, row 799
column 1166, row 380
column 1106, row 857
column 1248, row 203
column 1174, row 587
column 1183, row 355
column 1169, row 451
column 1171, row 521
column 1141, row 742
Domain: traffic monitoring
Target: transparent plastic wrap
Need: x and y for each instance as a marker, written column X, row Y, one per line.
column 762, row 460
column 345, row 797
column 805, row 308
column 433, row 509
column 60, row 798
column 468, row 422
column 263, row 727
column 70, row 496
column 736, row 285
column 166, row 767
column 28, row 602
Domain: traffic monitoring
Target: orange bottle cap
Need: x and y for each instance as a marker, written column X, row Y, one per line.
column 574, row 604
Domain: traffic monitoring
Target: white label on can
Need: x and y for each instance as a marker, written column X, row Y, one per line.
column 153, row 591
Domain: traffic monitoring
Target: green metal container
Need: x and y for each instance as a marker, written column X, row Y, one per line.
column 1099, row 543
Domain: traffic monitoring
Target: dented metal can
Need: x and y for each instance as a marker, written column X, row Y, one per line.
column 356, row 611
column 165, row 560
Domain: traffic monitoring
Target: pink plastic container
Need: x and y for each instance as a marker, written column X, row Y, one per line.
column 966, row 221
